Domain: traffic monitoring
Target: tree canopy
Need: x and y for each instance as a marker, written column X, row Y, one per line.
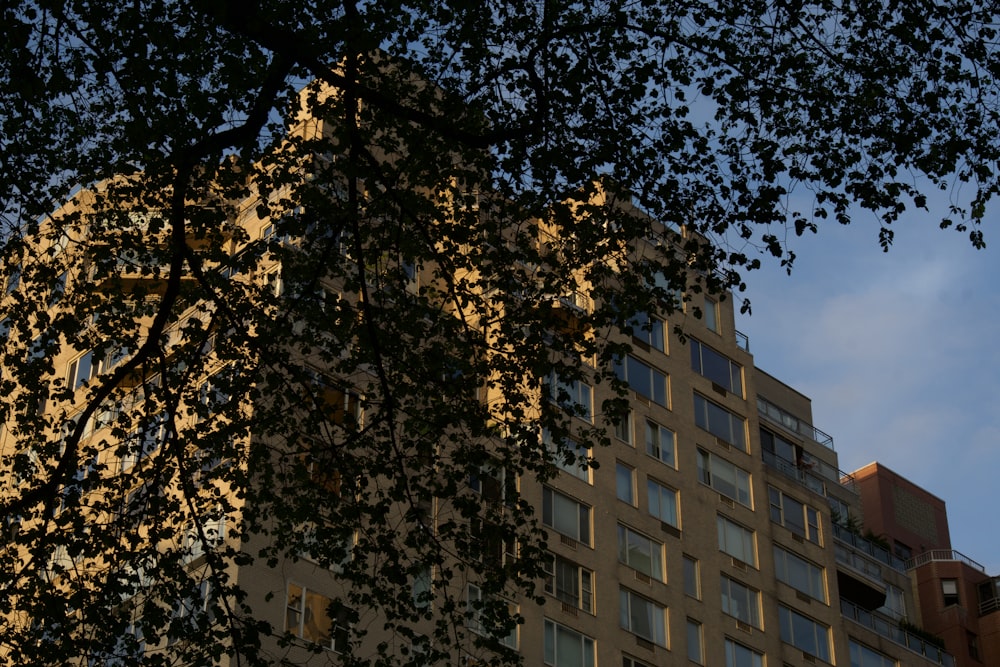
column 290, row 278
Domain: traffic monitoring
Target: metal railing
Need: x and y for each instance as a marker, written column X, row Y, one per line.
column 814, row 478
column 859, row 563
column 888, row 628
column 943, row 555
column 742, row 341
column 869, row 548
column 786, row 420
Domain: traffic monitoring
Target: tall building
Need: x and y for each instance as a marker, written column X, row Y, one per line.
column 956, row 599
column 715, row 528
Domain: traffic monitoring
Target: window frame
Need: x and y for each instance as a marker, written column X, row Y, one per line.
column 779, row 504
column 550, row 646
column 801, row 638
column 339, row 626
column 726, row 529
column 733, row 433
column 655, row 448
column 656, row 490
column 631, row 602
column 584, row 578
column 580, row 468
column 815, row 575
column 630, row 371
column 740, row 601
column 584, row 528
column 732, row 381
column 734, row 659
column 579, row 396
column 625, row 483
column 629, row 541
column 712, row 471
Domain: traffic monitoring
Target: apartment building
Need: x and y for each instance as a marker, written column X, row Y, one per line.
column 714, row 528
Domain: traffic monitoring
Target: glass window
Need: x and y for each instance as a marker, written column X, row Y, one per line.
column 316, row 618
column 949, row 589
column 623, row 429
column 662, row 503
column 565, row 515
column 895, row 603
column 574, row 396
column 632, row 662
column 695, row 642
column 625, row 483
column 661, row 443
column 644, row 379
column 740, row 601
column 804, row 633
column 738, row 655
column 692, row 577
column 710, row 314
column 570, row 583
column 643, row 617
column 737, row 541
column 799, row 573
column 720, row 422
column 81, row 370
column 476, row 623
column 726, row 478
column 718, row 368
column 648, row 330
column 567, row 648
column 799, row 518
column 575, row 460
column 640, row 553
column 863, row 656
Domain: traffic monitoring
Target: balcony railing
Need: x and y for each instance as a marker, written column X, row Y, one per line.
column 868, row 548
column 814, row 477
column 943, row 555
column 792, row 423
column 888, row 628
column 742, row 341
column 861, row 564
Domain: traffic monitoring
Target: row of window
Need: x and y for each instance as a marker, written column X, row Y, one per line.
column 565, row 647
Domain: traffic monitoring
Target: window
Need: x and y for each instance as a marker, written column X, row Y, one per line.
column 695, row 642
column 421, row 587
column 949, row 589
column 623, row 429
column 570, row 583
column 648, row 330
column 801, row 519
column 13, row 279
column 195, row 608
column 644, row 379
column 632, row 662
column 663, row 503
column 316, row 618
column 901, row 550
column 973, row 643
column 692, row 577
column 661, row 443
column 567, row 648
column 895, row 603
column 81, row 370
column 862, row 656
column 144, row 441
column 475, row 603
column 710, row 314
column 574, row 396
column 625, row 483
column 493, row 483
column 740, row 601
column 640, row 553
column 718, row 368
column 327, row 545
column 799, row 573
column 720, row 422
column 724, row 477
column 738, row 655
column 643, row 618
column 565, row 515
column 804, row 633
column 737, row 541
column 579, row 466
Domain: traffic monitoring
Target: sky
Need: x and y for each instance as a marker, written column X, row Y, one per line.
column 900, row 354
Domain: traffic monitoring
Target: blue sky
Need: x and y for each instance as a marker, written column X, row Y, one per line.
column 900, row 353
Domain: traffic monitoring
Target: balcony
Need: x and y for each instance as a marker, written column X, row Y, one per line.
column 869, row 548
column 886, row 627
column 790, row 422
column 742, row 341
column 816, row 477
column 946, row 555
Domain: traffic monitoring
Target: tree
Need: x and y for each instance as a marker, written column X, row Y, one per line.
column 449, row 180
